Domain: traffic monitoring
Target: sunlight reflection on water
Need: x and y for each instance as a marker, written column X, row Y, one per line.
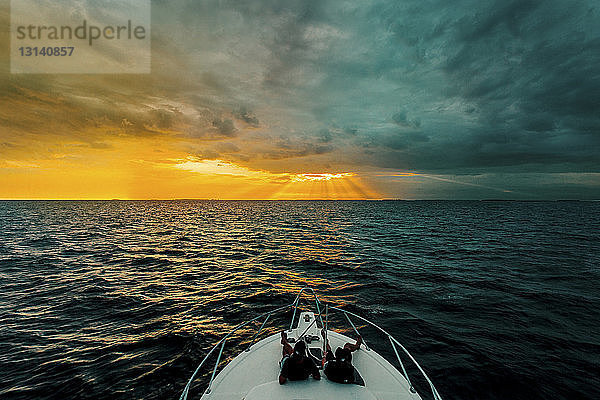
column 122, row 299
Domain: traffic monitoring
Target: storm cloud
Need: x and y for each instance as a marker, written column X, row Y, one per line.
column 464, row 87
column 427, row 85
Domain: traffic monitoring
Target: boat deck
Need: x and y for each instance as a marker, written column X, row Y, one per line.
column 253, row 375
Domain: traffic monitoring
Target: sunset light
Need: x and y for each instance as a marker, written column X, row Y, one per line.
column 320, row 177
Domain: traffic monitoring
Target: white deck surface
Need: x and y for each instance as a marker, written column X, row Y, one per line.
column 253, row 375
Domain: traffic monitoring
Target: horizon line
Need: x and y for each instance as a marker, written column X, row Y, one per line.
column 315, row 199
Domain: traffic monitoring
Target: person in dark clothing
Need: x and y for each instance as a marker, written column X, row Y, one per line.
column 338, row 368
column 295, row 365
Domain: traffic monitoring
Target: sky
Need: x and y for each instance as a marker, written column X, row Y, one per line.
column 347, row 99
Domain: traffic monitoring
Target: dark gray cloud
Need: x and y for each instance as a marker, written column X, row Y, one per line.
column 224, row 127
column 288, row 147
column 463, row 87
column 478, row 85
column 247, row 116
column 526, row 75
column 401, row 118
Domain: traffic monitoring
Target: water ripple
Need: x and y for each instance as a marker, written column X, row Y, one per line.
column 122, row 299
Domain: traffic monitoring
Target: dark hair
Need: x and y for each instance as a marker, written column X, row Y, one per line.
column 300, row 348
column 343, row 355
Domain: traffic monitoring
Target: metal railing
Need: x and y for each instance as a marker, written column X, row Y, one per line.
column 393, row 342
column 221, row 342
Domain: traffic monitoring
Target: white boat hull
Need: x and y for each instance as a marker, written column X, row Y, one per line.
column 253, row 374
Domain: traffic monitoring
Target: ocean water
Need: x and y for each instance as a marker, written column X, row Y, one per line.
column 122, row 299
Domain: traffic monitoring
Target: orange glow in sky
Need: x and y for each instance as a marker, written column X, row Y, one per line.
column 151, row 169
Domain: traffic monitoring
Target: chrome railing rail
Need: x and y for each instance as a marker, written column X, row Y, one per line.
column 184, row 394
column 295, row 305
column 393, row 342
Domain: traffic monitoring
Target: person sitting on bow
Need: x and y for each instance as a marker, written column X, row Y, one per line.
column 338, row 368
column 295, row 365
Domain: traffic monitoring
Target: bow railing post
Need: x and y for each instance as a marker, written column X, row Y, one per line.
column 355, row 330
column 412, row 389
column 325, row 326
column 258, row 332
column 295, row 309
column 216, row 366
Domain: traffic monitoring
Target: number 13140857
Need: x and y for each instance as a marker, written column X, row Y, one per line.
column 46, row 51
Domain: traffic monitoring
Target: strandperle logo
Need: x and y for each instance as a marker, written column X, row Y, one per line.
column 82, row 32
column 80, row 36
